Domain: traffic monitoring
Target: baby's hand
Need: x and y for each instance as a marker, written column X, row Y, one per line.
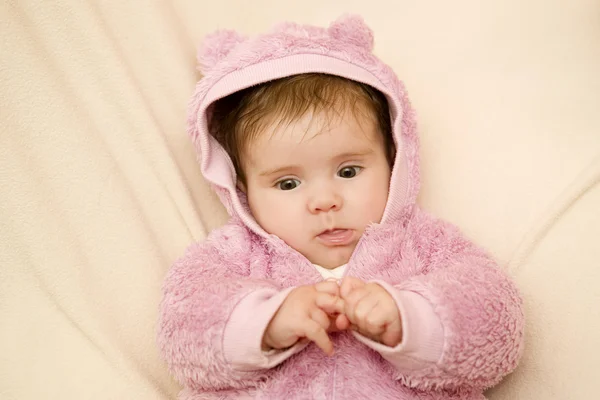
column 300, row 317
column 371, row 311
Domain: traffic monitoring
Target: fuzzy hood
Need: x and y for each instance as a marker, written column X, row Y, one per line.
column 231, row 62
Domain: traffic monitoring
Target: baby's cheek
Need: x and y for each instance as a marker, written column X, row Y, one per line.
column 273, row 214
column 291, row 229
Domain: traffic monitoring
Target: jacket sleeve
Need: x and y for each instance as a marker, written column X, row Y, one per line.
column 463, row 324
column 216, row 306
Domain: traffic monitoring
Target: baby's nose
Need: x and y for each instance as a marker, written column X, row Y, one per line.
column 324, row 202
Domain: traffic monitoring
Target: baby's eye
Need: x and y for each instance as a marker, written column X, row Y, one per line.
column 349, row 172
column 288, row 184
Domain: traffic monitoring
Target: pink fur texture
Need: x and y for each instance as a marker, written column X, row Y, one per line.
column 216, row 47
column 478, row 306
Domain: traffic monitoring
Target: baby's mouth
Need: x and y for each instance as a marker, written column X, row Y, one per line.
column 336, row 237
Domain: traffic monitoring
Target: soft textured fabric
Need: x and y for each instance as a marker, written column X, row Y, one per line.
column 94, row 207
column 463, row 324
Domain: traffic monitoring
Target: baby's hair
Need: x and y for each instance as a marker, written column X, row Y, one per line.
column 237, row 119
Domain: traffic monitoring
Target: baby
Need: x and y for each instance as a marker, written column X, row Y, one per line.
column 328, row 281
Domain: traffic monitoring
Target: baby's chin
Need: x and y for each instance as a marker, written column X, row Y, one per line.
column 332, row 258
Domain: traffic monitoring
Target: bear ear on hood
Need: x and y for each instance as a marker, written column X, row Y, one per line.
column 215, row 48
column 352, row 29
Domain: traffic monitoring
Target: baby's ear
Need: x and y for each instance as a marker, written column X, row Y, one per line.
column 215, row 47
column 352, row 29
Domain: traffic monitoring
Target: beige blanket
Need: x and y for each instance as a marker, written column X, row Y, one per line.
column 100, row 190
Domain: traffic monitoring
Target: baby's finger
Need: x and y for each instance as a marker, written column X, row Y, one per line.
column 349, row 284
column 330, row 287
column 366, row 315
column 342, row 322
column 314, row 332
column 393, row 334
column 320, row 318
column 376, row 319
column 351, row 301
column 330, row 304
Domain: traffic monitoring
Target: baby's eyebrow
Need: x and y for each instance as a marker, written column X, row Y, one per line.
column 353, row 154
column 279, row 170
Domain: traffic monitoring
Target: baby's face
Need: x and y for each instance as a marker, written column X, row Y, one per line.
column 317, row 185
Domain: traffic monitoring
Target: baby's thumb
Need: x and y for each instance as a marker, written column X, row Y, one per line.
column 330, row 304
column 349, row 284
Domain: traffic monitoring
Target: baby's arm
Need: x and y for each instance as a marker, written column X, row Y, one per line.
column 213, row 315
column 462, row 320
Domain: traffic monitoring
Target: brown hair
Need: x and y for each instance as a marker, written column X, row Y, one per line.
column 238, row 118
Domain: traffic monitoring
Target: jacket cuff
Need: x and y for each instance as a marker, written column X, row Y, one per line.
column 422, row 332
column 242, row 340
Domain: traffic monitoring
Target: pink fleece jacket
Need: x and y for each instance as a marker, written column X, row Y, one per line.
column 462, row 316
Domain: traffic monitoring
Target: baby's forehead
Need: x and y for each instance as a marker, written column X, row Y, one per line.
column 345, row 124
column 314, row 138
